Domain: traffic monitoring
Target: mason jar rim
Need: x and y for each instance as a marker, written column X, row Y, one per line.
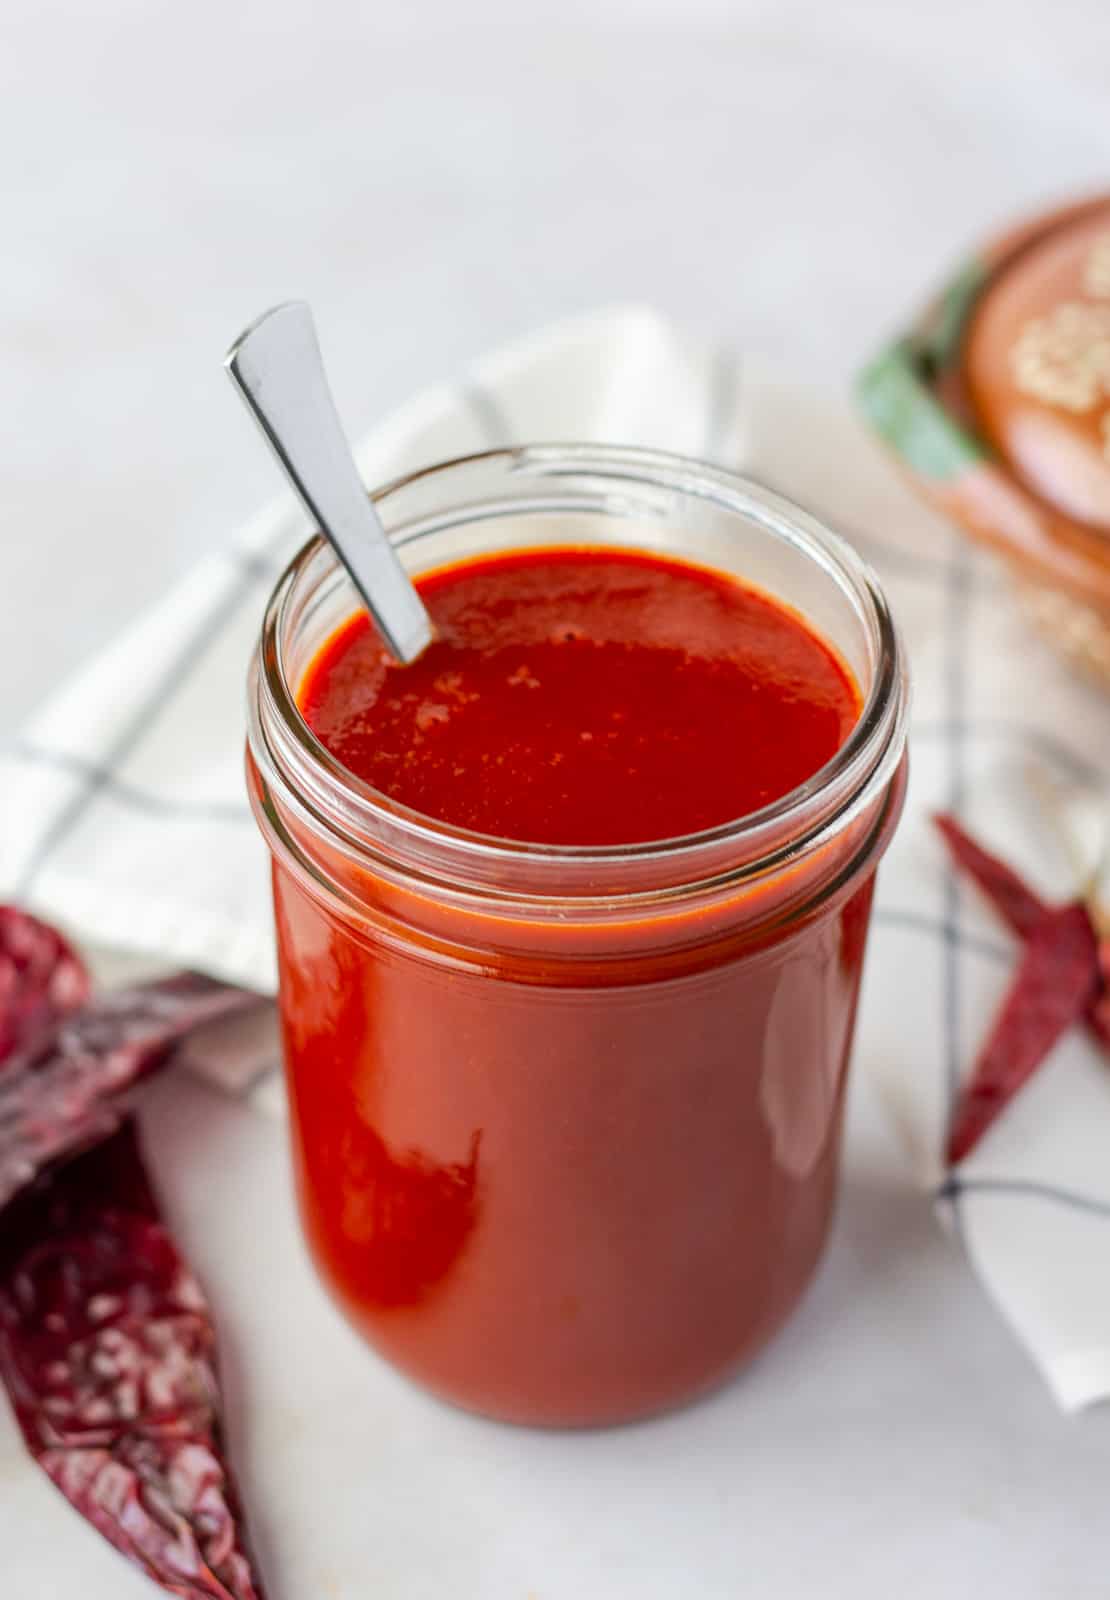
column 363, row 820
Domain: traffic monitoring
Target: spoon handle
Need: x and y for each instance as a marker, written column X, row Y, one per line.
column 277, row 367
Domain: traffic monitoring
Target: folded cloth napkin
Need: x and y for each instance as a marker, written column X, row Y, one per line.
column 124, row 816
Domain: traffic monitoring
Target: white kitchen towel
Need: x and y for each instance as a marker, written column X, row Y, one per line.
column 123, row 816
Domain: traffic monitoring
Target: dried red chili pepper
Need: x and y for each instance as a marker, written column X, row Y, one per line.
column 1019, row 906
column 108, row 1354
column 41, row 978
column 1057, row 978
column 1098, row 1012
column 59, row 1094
column 1060, row 979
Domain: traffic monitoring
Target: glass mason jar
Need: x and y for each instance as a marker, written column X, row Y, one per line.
column 566, row 1121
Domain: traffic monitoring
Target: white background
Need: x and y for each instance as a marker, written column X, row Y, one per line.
column 437, row 180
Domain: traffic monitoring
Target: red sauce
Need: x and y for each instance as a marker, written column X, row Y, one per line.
column 566, row 1170
column 585, row 698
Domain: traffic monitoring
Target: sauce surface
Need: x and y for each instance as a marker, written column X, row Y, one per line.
column 585, row 697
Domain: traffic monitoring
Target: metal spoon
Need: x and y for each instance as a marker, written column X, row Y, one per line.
column 277, row 367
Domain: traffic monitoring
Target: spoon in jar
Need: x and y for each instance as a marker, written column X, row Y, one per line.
column 277, row 367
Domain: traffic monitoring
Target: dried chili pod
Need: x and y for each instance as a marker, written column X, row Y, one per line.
column 41, row 978
column 1098, row 1013
column 1056, row 983
column 60, row 1093
column 108, row 1354
column 1021, row 908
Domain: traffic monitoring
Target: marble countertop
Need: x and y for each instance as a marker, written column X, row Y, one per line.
column 791, row 176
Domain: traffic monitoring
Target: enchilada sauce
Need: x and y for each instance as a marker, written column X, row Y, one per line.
column 582, row 1183
column 580, row 698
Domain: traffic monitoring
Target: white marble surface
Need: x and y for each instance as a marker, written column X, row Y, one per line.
column 791, row 175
